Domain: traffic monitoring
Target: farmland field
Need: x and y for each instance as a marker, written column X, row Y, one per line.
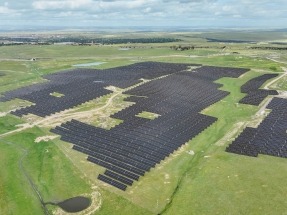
column 199, row 177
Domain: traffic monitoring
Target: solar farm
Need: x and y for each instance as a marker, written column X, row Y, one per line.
column 149, row 131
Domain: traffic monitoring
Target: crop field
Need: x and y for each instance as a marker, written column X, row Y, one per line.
column 147, row 130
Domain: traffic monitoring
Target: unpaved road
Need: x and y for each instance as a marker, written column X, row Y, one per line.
column 276, row 79
column 63, row 116
column 66, row 115
column 277, row 61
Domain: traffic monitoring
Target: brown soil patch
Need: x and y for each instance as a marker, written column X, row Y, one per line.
column 45, row 138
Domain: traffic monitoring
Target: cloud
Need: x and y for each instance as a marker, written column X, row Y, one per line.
column 143, row 12
column 66, row 4
column 89, row 4
column 4, row 10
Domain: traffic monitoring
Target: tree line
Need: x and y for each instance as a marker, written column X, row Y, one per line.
column 103, row 41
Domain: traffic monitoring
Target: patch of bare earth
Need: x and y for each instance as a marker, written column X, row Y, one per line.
column 172, row 156
column 45, row 138
column 2, row 114
column 166, row 177
column 231, row 134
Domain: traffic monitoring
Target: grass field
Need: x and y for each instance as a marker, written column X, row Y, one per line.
column 210, row 181
column 50, row 170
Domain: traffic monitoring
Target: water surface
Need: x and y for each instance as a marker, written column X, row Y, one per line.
column 89, row 64
column 74, row 205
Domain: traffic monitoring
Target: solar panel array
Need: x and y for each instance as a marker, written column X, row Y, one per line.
column 131, row 149
column 81, row 85
column 270, row 138
column 255, row 95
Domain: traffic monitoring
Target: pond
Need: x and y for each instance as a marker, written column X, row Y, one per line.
column 124, row 49
column 89, row 64
column 74, row 205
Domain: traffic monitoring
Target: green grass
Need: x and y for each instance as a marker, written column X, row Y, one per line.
column 229, row 61
column 281, row 84
column 232, row 184
column 65, row 52
column 8, row 123
column 13, row 104
column 114, row 204
column 16, row 196
column 18, row 74
column 148, row 115
column 56, row 94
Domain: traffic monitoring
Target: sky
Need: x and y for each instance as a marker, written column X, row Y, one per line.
column 114, row 13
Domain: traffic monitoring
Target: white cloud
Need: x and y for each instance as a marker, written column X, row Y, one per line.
column 65, row 14
column 4, row 10
column 89, row 4
column 66, row 4
column 147, row 10
column 237, row 16
column 143, row 12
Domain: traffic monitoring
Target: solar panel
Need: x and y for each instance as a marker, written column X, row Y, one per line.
column 268, row 138
column 112, row 182
column 118, row 177
column 132, row 148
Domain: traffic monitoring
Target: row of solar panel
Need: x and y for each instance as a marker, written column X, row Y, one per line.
column 255, row 95
column 269, row 138
column 74, row 79
column 178, row 99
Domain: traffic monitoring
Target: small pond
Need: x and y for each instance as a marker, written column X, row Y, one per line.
column 74, row 205
column 89, row 64
column 124, row 49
